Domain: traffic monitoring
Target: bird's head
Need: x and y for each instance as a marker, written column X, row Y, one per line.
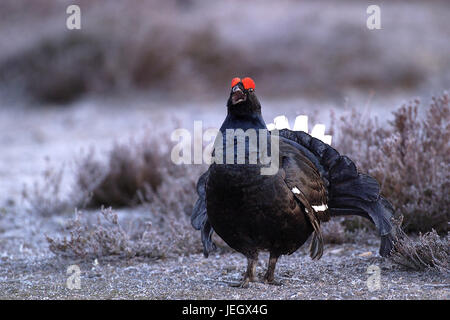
column 243, row 100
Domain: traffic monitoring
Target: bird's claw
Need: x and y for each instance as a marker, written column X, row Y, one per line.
column 244, row 284
column 271, row 281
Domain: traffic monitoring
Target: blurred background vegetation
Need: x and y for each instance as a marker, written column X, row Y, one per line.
column 174, row 48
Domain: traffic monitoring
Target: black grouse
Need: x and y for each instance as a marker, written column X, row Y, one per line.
column 278, row 212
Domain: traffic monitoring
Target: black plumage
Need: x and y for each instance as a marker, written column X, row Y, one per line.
column 278, row 213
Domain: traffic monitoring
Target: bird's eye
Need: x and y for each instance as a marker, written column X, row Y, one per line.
column 235, row 81
column 248, row 83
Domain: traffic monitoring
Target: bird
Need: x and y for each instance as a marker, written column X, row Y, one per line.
column 277, row 213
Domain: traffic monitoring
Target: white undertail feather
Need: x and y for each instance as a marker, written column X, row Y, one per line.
column 327, row 139
column 318, row 131
column 281, row 122
column 322, row 207
column 301, row 123
column 295, row 190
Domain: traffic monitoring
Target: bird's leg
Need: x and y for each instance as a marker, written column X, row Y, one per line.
column 269, row 276
column 249, row 274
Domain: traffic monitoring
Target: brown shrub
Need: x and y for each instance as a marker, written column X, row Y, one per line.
column 131, row 168
column 166, row 232
column 135, row 173
column 333, row 232
column 410, row 158
column 108, row 238
column 428, row 251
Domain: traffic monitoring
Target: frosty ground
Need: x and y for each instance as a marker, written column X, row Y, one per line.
column 28, row 270
column 340, row 274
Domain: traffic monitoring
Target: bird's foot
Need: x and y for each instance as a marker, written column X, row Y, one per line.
column 271, row 281
column 243, row 284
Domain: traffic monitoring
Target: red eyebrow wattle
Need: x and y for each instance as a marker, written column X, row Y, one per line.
column 248, row 83
column 235, row 81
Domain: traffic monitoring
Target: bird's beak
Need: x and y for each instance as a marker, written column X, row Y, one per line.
column 237, row 95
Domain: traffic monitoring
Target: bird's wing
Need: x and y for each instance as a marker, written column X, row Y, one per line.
column 199, row 217
column 349, row 192
column 304, row 181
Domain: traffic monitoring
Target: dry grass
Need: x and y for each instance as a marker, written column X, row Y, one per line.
column 410, row 158
column 49, row 195
column 44, row 197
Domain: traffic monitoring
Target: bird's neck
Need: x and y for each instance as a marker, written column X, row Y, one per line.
column 243, row 121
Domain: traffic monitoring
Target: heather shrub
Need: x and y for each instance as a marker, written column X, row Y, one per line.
column 131, row 168
column 410, row 158
column 106, row 237
column 132, row 173
column 333, row 232
column 138, row 172
column 428, row 251
column 163, row 230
